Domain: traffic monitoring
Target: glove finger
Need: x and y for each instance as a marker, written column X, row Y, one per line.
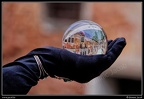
column 110, row 44
column 115, row 49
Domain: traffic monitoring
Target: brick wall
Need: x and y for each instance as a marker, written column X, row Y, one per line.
column 22, row 31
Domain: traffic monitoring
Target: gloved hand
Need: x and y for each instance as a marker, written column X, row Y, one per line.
column 79, row 68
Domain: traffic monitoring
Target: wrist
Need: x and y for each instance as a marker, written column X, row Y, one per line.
column 43, row 73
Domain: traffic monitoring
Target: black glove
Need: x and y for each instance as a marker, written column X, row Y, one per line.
column 80, row 68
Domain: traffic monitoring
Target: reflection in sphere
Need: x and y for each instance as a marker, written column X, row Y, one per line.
column 86, row 38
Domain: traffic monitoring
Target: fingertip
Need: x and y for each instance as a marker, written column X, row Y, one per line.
column 122, row 41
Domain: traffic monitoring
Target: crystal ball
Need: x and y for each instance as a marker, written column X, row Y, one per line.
column 85, row 37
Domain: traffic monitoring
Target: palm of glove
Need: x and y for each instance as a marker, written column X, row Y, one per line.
column 80, row 68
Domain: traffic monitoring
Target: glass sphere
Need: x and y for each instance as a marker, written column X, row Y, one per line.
column 86, row 38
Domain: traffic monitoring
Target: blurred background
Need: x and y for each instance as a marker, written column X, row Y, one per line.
column 29, row 25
